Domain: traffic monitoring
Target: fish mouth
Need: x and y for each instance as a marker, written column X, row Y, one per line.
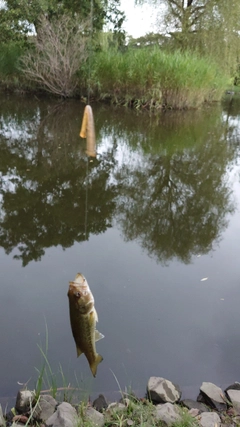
column 79, row 282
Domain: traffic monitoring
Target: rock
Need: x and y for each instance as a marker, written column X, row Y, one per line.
column 25, row 399
column 100, row 403
column 161, row 390
column 234, row 397
column 115, row 406
column 209, row 419
column 234, row 386
column 2, row 420
column 45, row 408
column 9, row 415
column 20, row 419
column 167, row 413
column 65, row 416
column 193, row 412
column 191, row 404
column 94, row 417
column 213, row 396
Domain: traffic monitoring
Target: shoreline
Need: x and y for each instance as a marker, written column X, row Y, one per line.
column 164, row 403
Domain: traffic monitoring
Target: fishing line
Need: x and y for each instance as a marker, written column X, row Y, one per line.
column 90, row 52
column 87, row 129
column 86, row 200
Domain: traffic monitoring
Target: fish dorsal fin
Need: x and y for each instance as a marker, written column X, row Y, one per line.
column 79, row 352
column 98, row 335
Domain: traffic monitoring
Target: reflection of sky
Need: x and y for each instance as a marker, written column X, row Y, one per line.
column 157, row 319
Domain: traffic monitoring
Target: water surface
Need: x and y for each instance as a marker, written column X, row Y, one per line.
column 145, row 221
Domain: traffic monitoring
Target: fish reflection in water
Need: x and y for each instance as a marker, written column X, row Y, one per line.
column 88, row 131
column 83, row 318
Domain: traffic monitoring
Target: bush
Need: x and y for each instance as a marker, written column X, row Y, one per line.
column 153, row 77
column 58, row 52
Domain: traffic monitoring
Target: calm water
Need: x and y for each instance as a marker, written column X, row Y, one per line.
column 145, row 221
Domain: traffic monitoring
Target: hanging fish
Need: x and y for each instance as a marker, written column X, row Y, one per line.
column 88, row 131
column 83, row 318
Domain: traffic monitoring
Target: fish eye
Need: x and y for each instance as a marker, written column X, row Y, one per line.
column 77, row 294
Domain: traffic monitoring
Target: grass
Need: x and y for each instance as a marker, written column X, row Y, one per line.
column 132, row 411
column 146, row 77
column 154, row 78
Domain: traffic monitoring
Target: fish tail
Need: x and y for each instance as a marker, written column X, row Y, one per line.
column 95, row 364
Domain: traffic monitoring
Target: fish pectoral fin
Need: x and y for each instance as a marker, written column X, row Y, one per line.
column 98, row 335
column 79, row 352
column 95, row 364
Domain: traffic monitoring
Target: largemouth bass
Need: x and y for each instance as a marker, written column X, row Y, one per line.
column 83, row 318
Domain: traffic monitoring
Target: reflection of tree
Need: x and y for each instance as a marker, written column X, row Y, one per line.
column 44, row 185
column 175, row 204
column 166, row 187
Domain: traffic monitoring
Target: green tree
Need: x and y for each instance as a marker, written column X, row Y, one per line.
column 21, row 16
column 209, row 26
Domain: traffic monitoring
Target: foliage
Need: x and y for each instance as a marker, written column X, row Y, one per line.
column 9, row 57
column 21, row 17
column 211, row 27
column 58, row 53
column 156, row 78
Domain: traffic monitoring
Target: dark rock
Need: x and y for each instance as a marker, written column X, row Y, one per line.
column 161, row 390
column 234, row 386
column 191, row 404
column 100, row 403
column 213, row 396
column 25, row 400
column 9, row 416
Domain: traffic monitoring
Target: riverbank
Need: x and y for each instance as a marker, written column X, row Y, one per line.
column 145, row 78
column 162, row 405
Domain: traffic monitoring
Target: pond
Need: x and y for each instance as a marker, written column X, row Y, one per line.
column 152, row 222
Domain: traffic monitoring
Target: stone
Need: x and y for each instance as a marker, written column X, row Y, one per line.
column 193, row 412
column 161, row 390
column 45, row 408
column 234, row 386
column 168, row 413
column 115, row 406
column 234, row 397
column 213, row 396
column 94, row 417
column 65, row 416
column 20, row 419
column 2, row 420
column 191, row 404
column 209, row 419
column 25, row 400
column 100, row 403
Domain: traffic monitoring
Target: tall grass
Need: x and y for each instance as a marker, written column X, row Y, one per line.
column 156, row 78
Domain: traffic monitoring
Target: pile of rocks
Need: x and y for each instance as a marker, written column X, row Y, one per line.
column 213, row 408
